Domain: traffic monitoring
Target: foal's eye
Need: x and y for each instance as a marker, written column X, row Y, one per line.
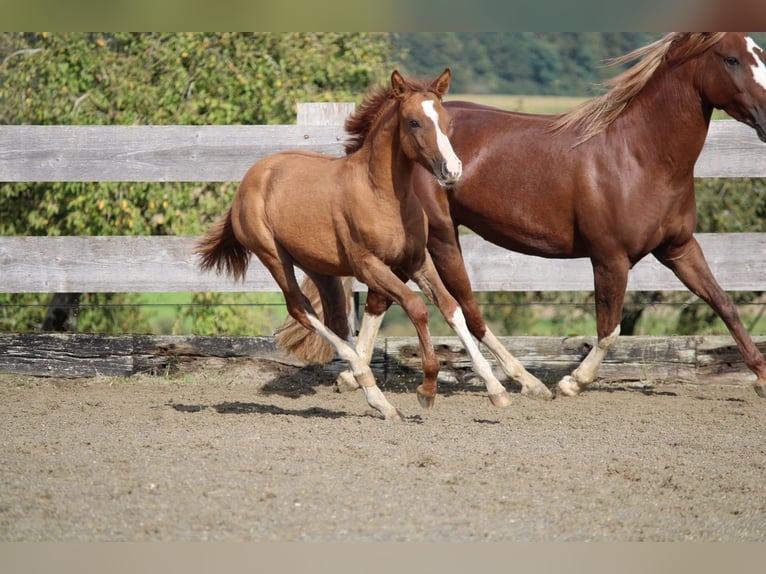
column 731, row 61
column 414, row 124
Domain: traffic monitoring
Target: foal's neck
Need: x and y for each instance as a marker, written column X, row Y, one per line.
column 388, row 168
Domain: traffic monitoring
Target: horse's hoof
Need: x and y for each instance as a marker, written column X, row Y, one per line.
column 425, row 401
column 568, row 386
column 539, row 392
column 346, row 382
column 501, row 400
column 760, row 390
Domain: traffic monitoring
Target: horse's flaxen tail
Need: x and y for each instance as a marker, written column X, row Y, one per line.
column 219, row 249
column 304, row 344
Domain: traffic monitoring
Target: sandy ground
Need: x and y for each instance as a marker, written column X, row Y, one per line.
column 251, row 450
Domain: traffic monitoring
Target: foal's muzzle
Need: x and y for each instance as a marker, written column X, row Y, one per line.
column 448, row 172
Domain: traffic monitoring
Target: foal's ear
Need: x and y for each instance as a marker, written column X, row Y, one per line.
column 441, row 84
column 398, row 85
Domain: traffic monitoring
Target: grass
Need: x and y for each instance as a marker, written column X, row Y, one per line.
column 526, row 104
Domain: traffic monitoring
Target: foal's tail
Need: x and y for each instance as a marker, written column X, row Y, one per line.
column 219, row 249
column 304, row 344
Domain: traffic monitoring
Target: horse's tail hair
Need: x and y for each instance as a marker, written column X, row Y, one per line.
column 220, row 249
column 303, row 343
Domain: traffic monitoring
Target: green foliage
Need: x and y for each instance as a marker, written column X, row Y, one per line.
column 159, row 78
column 541, row 63
column 529, row 63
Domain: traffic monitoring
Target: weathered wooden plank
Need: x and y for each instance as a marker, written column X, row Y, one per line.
column 224, row 153
column 151, row 153
column 66, row 355
column 109, row 264
column 731, row 149
column 133, row 264
column 324, row 113
column 550, row 358
column 737, row 260
column 676, row 359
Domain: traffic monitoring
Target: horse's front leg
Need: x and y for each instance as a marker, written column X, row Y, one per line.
column 448, row 260
column 610, row 282
column 688, row 263
column 431, row 284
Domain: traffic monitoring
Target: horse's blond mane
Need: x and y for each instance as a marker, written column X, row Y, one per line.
column 597, row 114
column 376, row 100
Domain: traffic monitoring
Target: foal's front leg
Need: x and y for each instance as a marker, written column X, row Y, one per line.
column 382, row 280
column 430, row 283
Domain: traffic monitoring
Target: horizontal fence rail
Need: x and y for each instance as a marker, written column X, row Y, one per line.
column 224, row 153
column 134, row 264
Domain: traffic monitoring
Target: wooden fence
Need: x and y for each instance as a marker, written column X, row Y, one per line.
column 224, row 153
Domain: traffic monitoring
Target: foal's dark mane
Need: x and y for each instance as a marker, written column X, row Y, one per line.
column 375, row 101
column 597, row 114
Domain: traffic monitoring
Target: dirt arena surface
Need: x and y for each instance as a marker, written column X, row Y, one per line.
column 260, row 451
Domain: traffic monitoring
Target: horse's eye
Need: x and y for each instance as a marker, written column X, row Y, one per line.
column 414, row 124
column 731, row 61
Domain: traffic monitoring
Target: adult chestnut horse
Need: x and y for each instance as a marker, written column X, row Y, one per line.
column 611, row 180
column 356, row 215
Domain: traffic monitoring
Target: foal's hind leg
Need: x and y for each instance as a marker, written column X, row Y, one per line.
column 280, row 265
column 689, row 264
column 334, row 306
column 374, row 311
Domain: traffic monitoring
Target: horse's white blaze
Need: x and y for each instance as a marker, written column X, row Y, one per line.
column 454, row 165
column 759, row 68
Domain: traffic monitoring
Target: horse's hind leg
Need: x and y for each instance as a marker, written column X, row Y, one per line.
column 689, row 264
column 428, row 280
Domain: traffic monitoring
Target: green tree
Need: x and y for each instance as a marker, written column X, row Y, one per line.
column 159, row 78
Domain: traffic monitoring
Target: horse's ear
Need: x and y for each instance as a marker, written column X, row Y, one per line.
column 441, row 84
column 398, row 85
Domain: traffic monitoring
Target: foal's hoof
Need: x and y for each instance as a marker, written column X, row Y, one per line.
column 395, row 416
column 501, row 400
column 425, row 401
column 760, row 390
column 346, row 382
column 568, row 386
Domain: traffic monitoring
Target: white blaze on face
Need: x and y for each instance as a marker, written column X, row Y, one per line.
column 759, row 68
column 454, row 166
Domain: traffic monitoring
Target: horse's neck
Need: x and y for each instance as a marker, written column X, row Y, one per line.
column 670, row 116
